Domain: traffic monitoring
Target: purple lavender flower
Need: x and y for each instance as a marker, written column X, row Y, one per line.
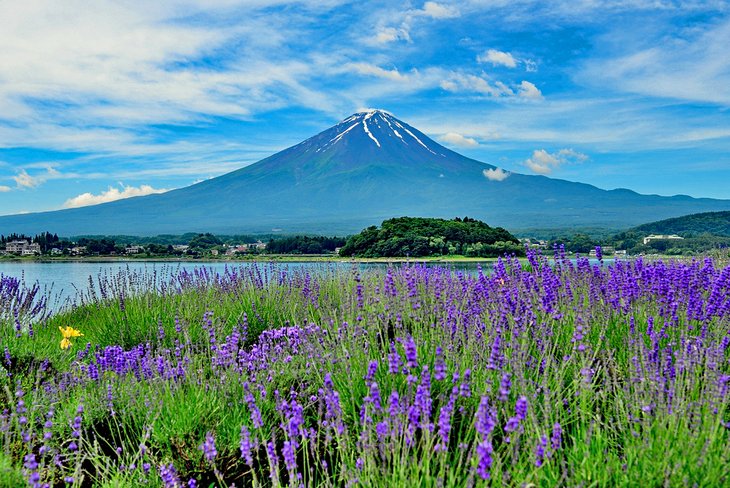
column 372, row 369
column 440, row 366
column 394, row 360
column 556, row 437
column 168, row 474
column 423, row 398
column 504, row 387
column 520, row 413
column 245, row 446
column 484, row 453
column 444, row 422
column 411, row 353
column 31, row 465
column 290, row 457
column 540, row 451
column 394, row 407
column 208, row 447
column 485, row 418
column 465, row 388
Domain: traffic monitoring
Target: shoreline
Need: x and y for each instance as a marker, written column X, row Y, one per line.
column 263, row 259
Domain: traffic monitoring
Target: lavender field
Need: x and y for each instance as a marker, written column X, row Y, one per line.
column 544, row 372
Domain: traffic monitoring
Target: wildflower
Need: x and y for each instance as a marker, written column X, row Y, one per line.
column 67, row 334
column 168, row 474
column 440, row 366
column 208, row 447
column 485, row 418
column 372, row 369
column 540, row 451
column 484, row 451
column 520, row 413
column 504, row 387
column 245, row 446
column 556, row 437
column 465, row 388
column 394, row 360
column 411, row 353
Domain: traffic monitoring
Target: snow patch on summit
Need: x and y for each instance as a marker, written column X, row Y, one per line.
column 367, row 131
column 380, row 127
column 414, row 136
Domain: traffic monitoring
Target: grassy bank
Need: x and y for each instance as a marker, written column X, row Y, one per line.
column 552, row 375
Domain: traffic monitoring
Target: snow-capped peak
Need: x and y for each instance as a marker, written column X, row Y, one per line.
column 379, row 128
column 372, row 111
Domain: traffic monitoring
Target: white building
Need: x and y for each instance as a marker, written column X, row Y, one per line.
column 23, row 247
column 659, row 237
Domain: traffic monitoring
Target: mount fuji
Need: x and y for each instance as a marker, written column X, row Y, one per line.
column 367, row 168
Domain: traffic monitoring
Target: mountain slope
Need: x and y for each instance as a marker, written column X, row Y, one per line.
column 715, row 223
column 369, row 167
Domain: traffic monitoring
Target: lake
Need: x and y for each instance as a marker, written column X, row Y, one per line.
column 65, row 280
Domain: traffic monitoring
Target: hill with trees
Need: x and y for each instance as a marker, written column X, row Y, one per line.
column 700, row 233
column 693, row 225
column 419, row 237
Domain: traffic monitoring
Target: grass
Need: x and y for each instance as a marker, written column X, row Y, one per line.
column 407, row 376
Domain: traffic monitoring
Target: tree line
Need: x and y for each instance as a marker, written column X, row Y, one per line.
column 420, row 237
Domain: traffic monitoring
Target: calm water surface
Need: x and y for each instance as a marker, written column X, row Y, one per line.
column 65, row 280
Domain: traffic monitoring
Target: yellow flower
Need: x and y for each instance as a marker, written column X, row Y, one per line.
column 68, row 333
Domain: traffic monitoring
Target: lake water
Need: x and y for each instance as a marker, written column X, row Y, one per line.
column 65, row 280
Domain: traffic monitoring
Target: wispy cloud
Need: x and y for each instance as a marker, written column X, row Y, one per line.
column 4, row 189
column 25, row 180
column 377, row 71
column 111, row 194
column 691, row 65
column 399, row 24
column 458, row 140
column 544, row 163
column 457, row 82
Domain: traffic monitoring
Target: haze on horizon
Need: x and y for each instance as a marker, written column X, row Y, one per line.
column 114, row 100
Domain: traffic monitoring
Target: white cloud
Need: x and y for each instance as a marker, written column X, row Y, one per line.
column 544, row 163
column 4, row 189
column 467, row 82
column 458, row 140
column 438, row 11
column 377, row 71
column 390, row 34
column 690, row 65
column 528, row 90
column 458, row 82
column 25, row 180
column 496, row 174
column 498, row 58
column 111, row 195
column 121, row 66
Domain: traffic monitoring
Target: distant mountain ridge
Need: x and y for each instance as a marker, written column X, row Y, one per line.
column 715, row 223
column 368, row 168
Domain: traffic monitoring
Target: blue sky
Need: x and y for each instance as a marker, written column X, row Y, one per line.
column 109, row 99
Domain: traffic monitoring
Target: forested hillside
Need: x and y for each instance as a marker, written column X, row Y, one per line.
column 418, row 237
